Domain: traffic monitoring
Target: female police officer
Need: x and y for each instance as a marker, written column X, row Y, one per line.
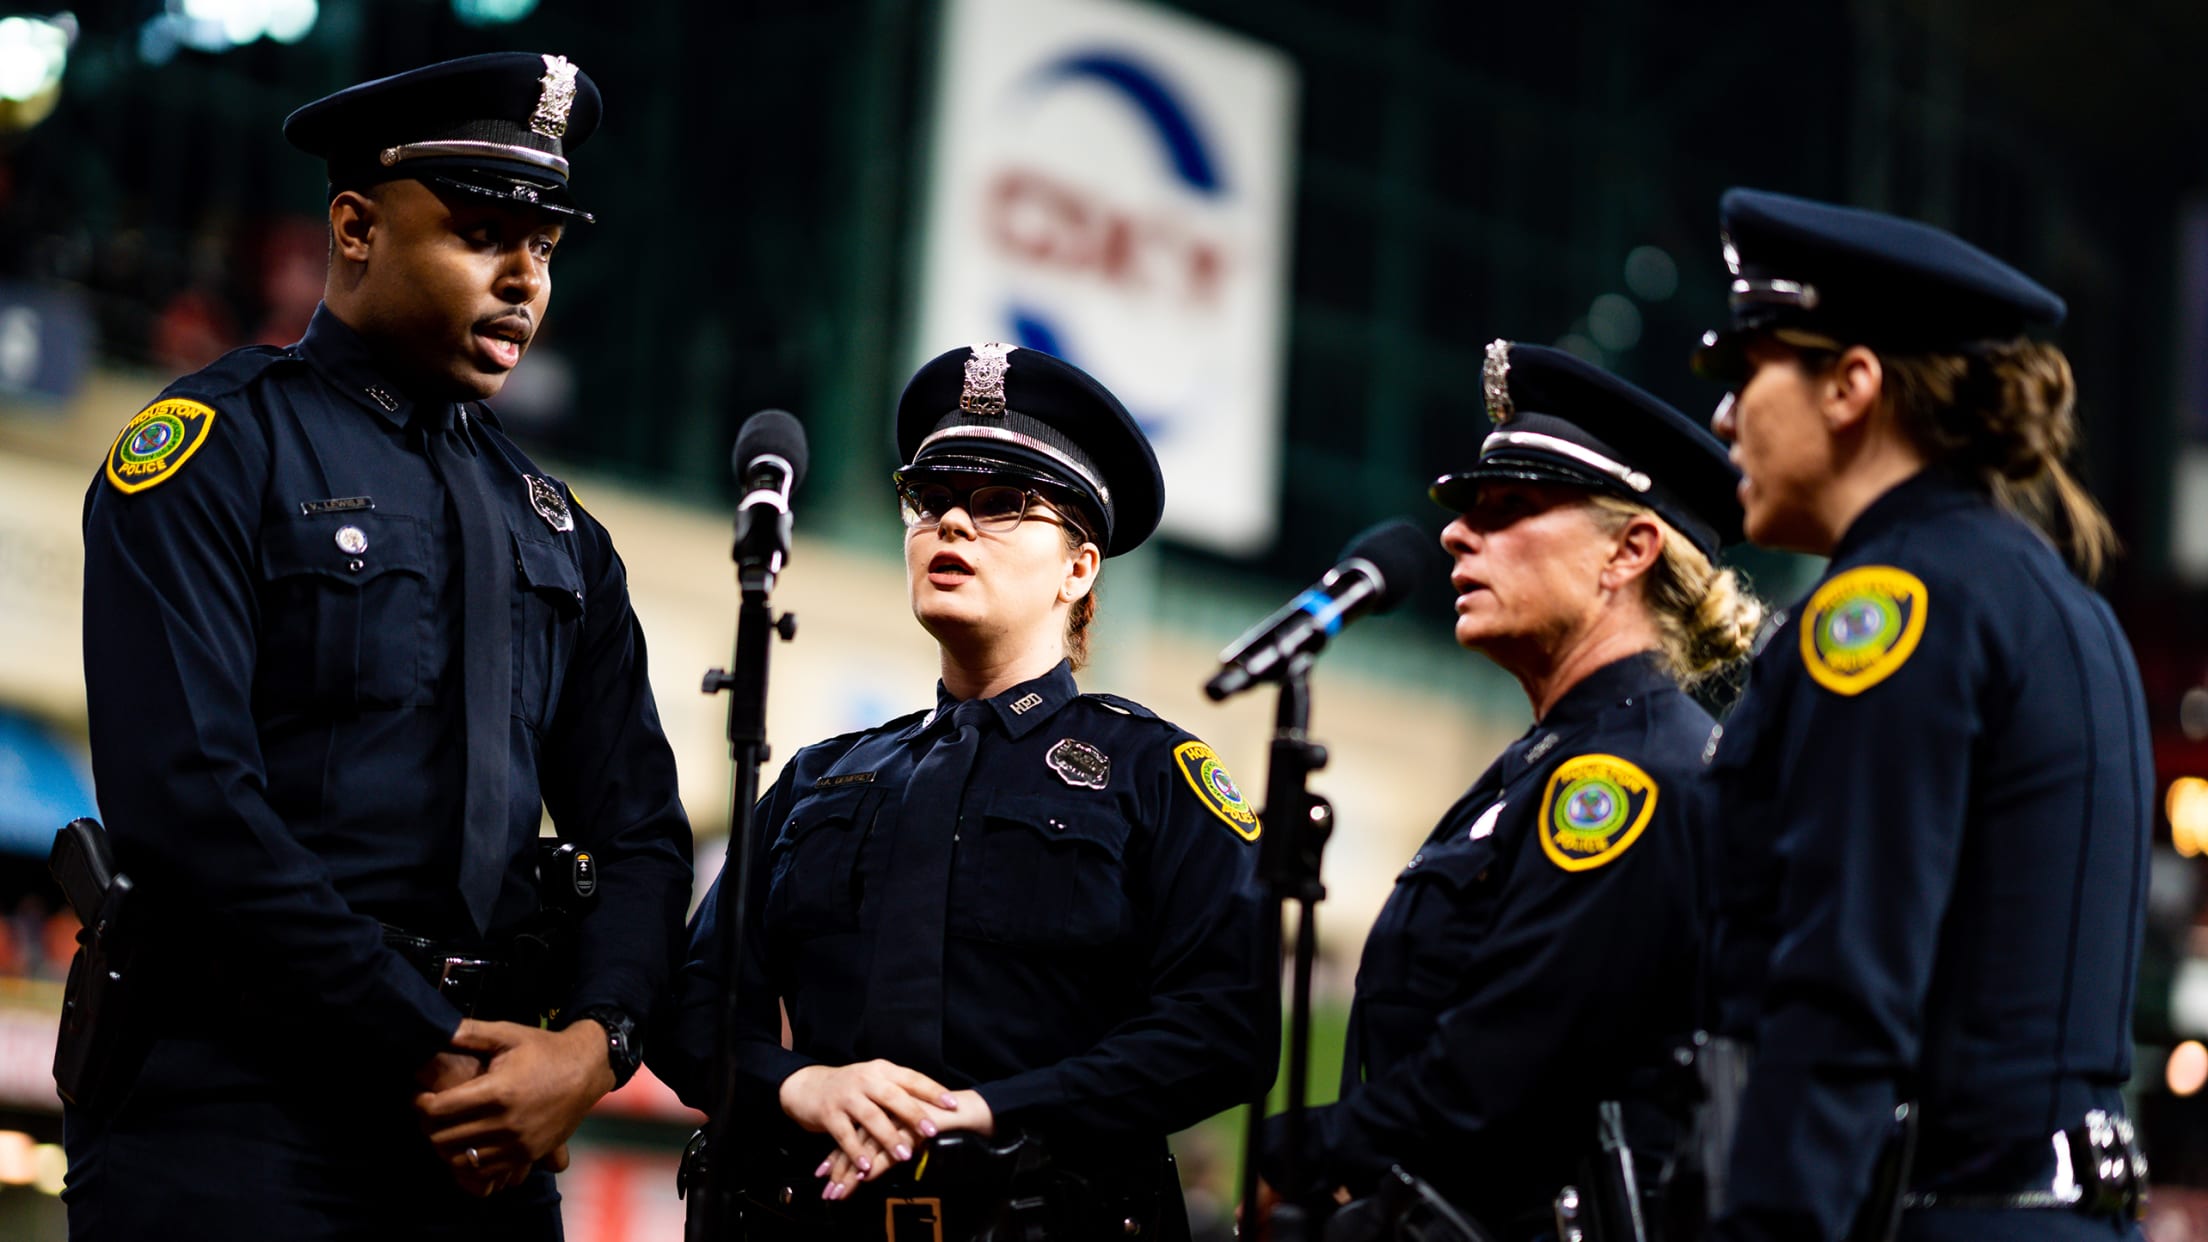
column 1543, row 945
column 1935, row 792
column 1038, row 897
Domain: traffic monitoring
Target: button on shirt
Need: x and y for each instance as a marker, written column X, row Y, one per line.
column 272, row 641
column 1503, row 993
column 1100, row 944
column 1931, row 887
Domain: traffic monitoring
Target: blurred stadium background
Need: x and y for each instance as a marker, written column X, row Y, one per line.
column 1283, row 229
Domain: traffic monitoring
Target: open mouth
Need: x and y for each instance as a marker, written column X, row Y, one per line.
column 947, row 565
column 504, row 340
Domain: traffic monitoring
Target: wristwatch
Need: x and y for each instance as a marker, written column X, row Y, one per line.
column 622, row 1053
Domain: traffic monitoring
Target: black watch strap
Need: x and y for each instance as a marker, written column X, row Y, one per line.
column 622, row 1053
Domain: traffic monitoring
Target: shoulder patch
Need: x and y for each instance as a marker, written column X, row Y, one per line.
column 1594, row 810
column 1208, row 777
column 157, row 442
column 1861, row 626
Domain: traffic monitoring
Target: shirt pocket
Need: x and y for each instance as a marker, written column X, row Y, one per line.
column 548, row 622
column 813, row 883
column 1442, row 907
column 1042, row 871
column 347, row 613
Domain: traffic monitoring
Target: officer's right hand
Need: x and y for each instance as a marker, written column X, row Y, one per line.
column 877, row 1111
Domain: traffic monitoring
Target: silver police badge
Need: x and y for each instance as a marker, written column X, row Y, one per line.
column 1495, row 382
column 1079, row 764
column 545, row 498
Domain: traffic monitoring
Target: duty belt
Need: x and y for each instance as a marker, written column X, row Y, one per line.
column 2097, row 1169
column 480, row 983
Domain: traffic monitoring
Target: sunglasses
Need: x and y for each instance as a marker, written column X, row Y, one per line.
column 994, row 507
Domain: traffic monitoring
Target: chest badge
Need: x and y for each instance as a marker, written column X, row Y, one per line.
column 545, row 498
column 1593, row 810
column 1079, row 764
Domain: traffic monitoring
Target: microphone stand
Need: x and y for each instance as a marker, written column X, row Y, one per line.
column 758, row 553
column 1296, row 824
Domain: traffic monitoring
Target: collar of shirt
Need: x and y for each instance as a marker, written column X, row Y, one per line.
column 1921, row 495
column 1020, row 710
column 332, row 347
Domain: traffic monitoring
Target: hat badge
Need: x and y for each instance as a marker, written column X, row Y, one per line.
column 983, row 391
column 1495, row 382
column 555, row 97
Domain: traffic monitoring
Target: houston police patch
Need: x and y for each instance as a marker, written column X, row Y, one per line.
column 158, row 441
column 1208, row 777
column 1861, row 626
column 1593, row 810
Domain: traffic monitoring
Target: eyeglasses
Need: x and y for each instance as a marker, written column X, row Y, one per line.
column 995, row 507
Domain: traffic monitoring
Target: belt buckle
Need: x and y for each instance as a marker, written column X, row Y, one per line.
column 461, row 980
column 923, row 1220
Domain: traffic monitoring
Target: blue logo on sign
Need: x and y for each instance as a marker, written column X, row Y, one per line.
column 1170, row 119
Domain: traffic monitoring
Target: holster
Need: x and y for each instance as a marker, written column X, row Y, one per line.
column 1403, row 1208
column 101, row 1044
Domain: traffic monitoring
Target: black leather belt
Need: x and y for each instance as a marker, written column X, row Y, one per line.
column 479, row 983
column 2095, row 1168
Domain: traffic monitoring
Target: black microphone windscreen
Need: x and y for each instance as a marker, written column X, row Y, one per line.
column 771, row 431
column 1402, row 551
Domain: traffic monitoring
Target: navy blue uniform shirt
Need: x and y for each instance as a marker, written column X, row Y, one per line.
column 1935, row 818
column 1538, row 950
column 274, row 706
column 1099, row 972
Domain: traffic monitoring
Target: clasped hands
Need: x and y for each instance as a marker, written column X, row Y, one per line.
column 505, row 1098
column 878, row 1112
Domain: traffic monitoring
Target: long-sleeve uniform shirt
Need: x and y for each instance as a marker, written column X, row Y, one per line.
column 1099, row 979
column 1936, row 800
column 273, row 672
column 1539, row 954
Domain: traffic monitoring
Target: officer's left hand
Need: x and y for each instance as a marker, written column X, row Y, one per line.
column 523, row 1107
column 843, row 1174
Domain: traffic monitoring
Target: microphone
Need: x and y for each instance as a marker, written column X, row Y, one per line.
column 1375, row 574
column 769, row 462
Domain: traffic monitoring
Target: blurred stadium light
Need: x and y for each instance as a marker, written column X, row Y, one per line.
column 33, row 53
column 492, row 12
column 219, row 25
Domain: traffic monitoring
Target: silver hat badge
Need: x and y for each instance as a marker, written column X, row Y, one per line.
column 983, row 392
column 555, row 97
column 1495, row 382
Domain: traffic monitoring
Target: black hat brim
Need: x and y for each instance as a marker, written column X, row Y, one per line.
column 1010, row 462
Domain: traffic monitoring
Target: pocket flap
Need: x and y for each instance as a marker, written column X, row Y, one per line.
column 1458, row 865
column 1089, row 821
column 545, row 567
column 827, row 806
column 347, row 547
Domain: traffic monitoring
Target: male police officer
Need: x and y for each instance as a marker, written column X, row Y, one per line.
column 343, row 643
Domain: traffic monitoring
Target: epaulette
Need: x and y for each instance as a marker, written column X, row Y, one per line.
column 1125, row 707
column 229, row 373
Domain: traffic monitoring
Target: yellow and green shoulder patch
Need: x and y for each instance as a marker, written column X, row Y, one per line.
column 1861, row 626
column 1217, row 790
column 1594, row 810
column 157, row 442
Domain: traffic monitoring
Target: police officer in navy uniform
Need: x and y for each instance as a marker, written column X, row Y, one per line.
column 1540, row 953
column 345, row 643
column 1936, row 789
column 1027, row 910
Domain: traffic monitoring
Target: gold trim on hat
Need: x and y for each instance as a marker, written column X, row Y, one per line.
column 555, row 97
column 1495, row 382
column 1580, row 453
column 983, row 391
column 390, row 156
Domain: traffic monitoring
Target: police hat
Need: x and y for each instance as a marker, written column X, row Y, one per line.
column 999, row 409
column 1561, row 420
column 499, row 126
column 1804, row 269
